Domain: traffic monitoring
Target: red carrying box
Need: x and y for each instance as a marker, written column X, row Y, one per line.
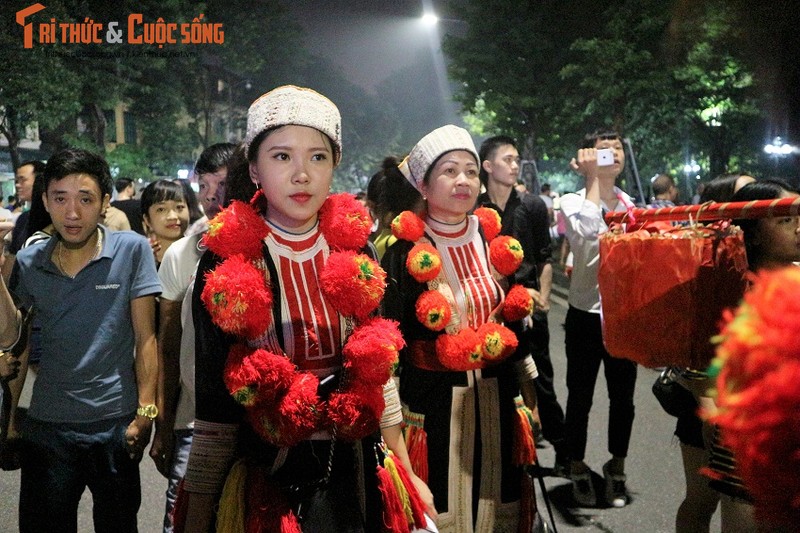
column 662, row 293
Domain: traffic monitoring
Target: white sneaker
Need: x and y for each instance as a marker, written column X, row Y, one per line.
column 616, row 494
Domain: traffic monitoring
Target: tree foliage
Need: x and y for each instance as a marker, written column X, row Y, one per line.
column 655, row 71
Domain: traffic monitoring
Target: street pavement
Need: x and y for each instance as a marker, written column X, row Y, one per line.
column 655, row 474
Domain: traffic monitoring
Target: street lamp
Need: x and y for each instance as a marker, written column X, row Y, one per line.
column 691, row 168
column 429, row 18
column 779, row 148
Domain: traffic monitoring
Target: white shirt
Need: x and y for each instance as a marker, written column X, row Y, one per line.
column 177, row 273
column 585, row 224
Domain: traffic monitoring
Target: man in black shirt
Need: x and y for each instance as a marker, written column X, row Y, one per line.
column 525, row 217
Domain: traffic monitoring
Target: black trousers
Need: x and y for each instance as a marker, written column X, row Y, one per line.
column 585, row 352
column 550, row 411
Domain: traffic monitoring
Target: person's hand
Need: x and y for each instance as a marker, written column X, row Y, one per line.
column 585, row 164
column 137, row 436
column 425, row 495
column 155, row 246
column 9, row 366
column 162, row 449
column 539, row 303
column 6, row 225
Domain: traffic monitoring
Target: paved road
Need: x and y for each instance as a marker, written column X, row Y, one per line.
column 655, row 475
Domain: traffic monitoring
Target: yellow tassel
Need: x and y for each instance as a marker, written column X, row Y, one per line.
column 230, row 517
column 524, row 449
column 402, row 492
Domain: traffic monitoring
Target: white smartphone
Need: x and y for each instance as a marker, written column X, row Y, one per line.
column 605, row 157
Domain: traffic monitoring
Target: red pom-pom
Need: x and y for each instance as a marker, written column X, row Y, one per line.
column 758, row 397
column 490, row 222
column 356, row 412
column 345, row 222
column 423, row 262
column 353, row 283
column 518, row 304
column 408, row 226
column 433, row 311
column 371, row 352
column 256, row 375
column 237, row 298
column 293, row 417
column 460, row 351
column 237, row 229
column 497, row 341
column 506, row 254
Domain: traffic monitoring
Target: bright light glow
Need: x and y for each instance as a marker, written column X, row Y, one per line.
column 430, row 19
column 692, row 167
column 779, row 148
column 183, row 174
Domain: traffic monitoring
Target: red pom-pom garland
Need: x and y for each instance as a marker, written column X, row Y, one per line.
column 465, row 348
column 281, row 401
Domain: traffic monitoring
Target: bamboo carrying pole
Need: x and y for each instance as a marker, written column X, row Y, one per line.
column 711, row 211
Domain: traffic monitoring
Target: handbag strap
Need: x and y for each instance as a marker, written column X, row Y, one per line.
column 540, row 477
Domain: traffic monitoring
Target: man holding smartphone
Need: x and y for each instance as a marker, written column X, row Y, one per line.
column 600, row 161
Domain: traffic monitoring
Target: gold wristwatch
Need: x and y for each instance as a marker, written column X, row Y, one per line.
column 149, row 411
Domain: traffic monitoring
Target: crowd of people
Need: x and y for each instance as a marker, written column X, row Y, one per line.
column 303, row 368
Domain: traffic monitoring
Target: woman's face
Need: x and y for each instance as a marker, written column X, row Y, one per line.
column 294, row 167
column 452, row 187
column 778, row 239
column 168, row 219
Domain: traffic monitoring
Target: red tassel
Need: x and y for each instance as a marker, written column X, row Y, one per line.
column 180, row 509
column 394, row 519
column 524, row 447
column 417, row 507
column 417, row 446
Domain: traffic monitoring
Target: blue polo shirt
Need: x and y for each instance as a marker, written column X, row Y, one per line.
column 86, row 371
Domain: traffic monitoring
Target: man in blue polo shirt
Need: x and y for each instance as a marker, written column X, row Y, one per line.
column 90, row 417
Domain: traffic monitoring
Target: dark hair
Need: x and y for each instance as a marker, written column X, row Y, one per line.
column 720, row 189
column 191, row 200
column 238, row 185
column 122, row 183
column 768, row 189
column 590, row 139
column 77, row 161
column 544, row 187
column 389, row 193
column 39, row 218
column 661, row 184
column 161, row 191
column 255, row 144
column 38, row 167
column 214, row 158
column 488, row 149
